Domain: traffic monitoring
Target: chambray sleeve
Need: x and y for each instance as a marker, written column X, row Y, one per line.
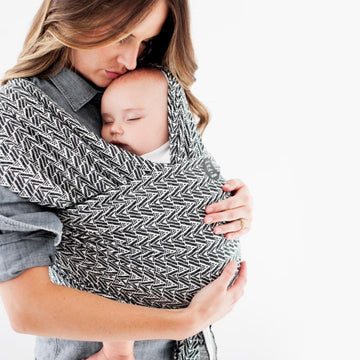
column 28, row 235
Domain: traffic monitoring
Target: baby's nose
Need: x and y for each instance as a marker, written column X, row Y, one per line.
column 117, row 129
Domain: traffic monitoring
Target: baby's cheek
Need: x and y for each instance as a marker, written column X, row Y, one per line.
column 105, row 134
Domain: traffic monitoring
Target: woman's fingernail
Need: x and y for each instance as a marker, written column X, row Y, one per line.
column 209, row 209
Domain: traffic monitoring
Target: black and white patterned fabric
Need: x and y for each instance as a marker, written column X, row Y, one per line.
column 133, row 230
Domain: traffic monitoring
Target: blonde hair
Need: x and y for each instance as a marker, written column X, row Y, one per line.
column 62, row 25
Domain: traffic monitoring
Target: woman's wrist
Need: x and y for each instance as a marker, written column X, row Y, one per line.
column 187, row 322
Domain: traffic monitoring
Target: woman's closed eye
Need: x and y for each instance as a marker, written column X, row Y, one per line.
column 146, row 42
column 124, row 40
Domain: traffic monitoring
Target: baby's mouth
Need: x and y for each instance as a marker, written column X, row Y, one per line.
column 120, row 145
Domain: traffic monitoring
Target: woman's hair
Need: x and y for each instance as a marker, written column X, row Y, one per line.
column 62, row 25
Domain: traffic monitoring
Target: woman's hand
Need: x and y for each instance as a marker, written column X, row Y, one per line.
column 236, row 211
column 217, row 299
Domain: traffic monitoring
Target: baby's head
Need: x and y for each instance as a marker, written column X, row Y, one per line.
column 134, row 111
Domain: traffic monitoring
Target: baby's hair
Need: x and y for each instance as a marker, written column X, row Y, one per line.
column 143, row 74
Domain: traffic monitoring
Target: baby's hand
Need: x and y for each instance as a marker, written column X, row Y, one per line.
column 115, row 350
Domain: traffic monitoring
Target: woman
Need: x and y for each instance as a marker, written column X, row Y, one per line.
column 74, row 50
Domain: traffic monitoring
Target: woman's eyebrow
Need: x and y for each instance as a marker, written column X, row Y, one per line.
column 147, row 39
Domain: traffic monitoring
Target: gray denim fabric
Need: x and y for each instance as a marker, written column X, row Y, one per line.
column 58, row 349
column 29, row 233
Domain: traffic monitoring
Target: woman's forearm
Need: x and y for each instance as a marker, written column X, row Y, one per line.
column 36, row 306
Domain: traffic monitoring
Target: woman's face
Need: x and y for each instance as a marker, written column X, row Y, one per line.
column 104, row 64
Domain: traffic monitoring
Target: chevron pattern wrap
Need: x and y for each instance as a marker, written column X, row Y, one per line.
column 133, row 230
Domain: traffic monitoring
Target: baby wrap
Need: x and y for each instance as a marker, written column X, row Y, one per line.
column 133, row 230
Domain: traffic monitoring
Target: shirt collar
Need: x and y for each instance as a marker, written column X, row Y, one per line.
column 75, row 89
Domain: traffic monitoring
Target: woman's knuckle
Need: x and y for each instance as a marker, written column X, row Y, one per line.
column 231, row 202
column 231, row 215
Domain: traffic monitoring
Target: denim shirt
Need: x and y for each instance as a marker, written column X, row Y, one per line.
column 29, row 233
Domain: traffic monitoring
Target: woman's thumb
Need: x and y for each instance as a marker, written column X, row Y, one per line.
column 229, row 272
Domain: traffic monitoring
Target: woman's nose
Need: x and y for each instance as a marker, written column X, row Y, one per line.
column 129, row 56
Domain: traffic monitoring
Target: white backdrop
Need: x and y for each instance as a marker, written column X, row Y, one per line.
column 282, row 81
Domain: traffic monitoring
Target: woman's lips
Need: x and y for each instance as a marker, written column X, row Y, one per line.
column 112, row 75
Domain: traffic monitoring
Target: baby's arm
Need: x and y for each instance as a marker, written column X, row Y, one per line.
column 115, row 350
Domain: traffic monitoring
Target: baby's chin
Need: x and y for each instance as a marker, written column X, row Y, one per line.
column 127, row 148
column 119, row 144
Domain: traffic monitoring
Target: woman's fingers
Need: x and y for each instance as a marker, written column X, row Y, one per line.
column 236, row 291
column 240, row 199
column 237, row 234
column 233, row 184
column 241, row 280
column 238, row 288
column 230, row 215
column 234, row 229
column 227, row 274
column 217, row 299
column 234, row 212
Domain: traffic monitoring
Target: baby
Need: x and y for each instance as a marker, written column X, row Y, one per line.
column 134, row 113
column 135, row 118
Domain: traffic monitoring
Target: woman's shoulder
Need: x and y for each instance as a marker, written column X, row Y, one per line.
column 15, row 91
column 65, row 83
column 13, row 85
